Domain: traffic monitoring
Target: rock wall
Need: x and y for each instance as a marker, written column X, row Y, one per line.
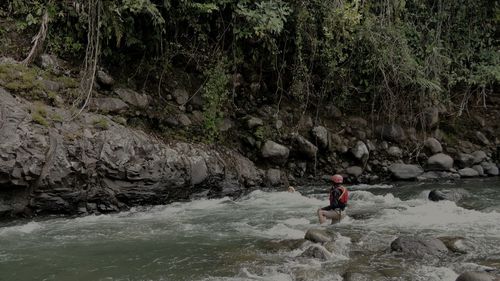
column 92, row 164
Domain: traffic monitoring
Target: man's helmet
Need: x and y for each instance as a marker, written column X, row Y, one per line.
column 337, row 179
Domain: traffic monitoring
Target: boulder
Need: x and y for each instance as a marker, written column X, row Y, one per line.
column 280, row 245
column 49, row 63
column 395, row 152
column 419, row 247
column 78, row 168
column 108, row 105
column 479, row 169
column 479, row 156
column 454, row 195
column 468, row 173
column 104, row 79
column 304, row 147
column 254, row 122
column 317, row 252
column 371, row 146
column 489, row 168
column 357, row 122
column 51, row 86
column 273, row 177
column 482, row 138
column 438, row 175
column 184, row 120
column 320, row 134
column 133, row 98
column 464, row 160
column 433, row 146
column 492, row 171
column 405, row 171
column 317, row 235
column 360, row 151
column 393, row 132
column 305, row 121
column 440, row 162
column 333, row 111
column 456, row 244
column 475, row 276
column 354, row 171
column 275, row 152
column 181, row 96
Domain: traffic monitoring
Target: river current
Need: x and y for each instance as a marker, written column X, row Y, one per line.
column 238, row 240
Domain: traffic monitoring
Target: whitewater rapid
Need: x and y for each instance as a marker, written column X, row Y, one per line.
column 222, row 239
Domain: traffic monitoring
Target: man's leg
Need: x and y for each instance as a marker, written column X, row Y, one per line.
column 334, row 215
column 321, row 216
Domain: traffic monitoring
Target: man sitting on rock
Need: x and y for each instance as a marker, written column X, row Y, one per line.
column 338, row 200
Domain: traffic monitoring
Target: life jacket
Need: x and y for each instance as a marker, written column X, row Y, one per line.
column 339, row 197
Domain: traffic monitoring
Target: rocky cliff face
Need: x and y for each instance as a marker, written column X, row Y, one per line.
column 92, row 164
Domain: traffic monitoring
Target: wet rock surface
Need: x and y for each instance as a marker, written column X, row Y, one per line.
column 419, row 247
column 76, row 167
column 454, row 195
column 476, row 276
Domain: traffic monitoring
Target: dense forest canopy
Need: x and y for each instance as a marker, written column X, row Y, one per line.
column 396, row 56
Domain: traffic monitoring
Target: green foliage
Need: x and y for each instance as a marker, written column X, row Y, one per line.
column 264, row 18
column 215, row 93
column 398, row 56
column 18, row 78
column 101, row 123
column 38, row 115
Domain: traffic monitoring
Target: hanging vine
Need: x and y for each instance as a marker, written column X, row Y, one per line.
column 91, row 56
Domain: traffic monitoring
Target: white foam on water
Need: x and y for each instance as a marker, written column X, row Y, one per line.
column 442, row 215
column 342, row 245
column 276, row 231
column 296, row 221
column 21, row 229
column 276, row 200
column 269, row 274
column 369, row 186
column 362, row 197
column 430, row 273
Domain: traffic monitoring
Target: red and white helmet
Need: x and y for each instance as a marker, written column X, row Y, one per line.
column 337, row 179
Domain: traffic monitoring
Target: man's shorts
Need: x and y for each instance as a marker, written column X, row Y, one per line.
column 334, row 215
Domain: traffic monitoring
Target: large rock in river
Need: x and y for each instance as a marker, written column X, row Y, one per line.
column 419, row 247
column 454, row 195
column 77, row 167
column 405, row 171
column 476, row 276
column 318, row 235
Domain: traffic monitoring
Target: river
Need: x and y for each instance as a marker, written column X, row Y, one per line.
column 225, row 239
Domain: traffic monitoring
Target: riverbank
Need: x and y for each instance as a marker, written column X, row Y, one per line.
column 129, row 149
